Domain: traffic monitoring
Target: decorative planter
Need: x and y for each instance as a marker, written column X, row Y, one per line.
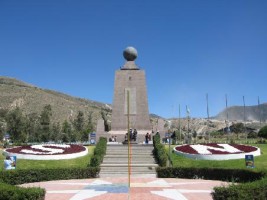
column 214, row 151
column 47, row 152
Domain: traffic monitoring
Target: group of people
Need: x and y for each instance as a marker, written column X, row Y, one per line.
column 113, row 139
column 133, row 135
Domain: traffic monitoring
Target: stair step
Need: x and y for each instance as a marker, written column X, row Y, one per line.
column 126, row 156
column 120, row 171
column 131, row 160
column 103, row 175
column 126, row 165
column 118, row 159
column 115, row 162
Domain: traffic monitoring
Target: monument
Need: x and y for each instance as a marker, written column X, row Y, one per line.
column 130, row 79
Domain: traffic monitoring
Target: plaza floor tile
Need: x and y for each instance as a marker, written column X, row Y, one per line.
column 118, row 188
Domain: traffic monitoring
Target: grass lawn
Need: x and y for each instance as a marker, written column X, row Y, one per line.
column 81, row 162
column 260, row 162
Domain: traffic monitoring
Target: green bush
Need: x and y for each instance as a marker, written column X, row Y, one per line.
column 99, row 152
column 159, row 151
column 10, row 192
column 235, row 175
column 263, row 132
column 247, row 191
column 16, row 177
column 96, row 161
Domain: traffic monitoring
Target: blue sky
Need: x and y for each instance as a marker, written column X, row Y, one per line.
column 187, row 48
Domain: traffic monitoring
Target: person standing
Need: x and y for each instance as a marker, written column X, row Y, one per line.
column 135, row 134
column 146, row 138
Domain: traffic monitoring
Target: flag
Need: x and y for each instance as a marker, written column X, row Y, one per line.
column 187, row 110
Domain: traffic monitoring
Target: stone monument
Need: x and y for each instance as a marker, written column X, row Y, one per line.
column 130, row 79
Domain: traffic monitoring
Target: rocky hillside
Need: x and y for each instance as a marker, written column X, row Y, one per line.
column 252, row 113
column 32, row 99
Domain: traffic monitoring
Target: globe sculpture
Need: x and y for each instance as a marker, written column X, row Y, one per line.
column 130, row 54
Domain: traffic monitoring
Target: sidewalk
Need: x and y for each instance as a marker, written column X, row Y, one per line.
column 117, row 189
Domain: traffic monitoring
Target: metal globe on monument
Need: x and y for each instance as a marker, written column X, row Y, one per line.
column 130, row 54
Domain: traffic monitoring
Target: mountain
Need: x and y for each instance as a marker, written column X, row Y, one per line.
column 32, row 99
column 252, row 113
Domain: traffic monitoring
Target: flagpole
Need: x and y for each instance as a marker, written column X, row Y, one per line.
column 187, row 110
column 259, row 109
column 180, row 123
column 208, row 114
column 227, row 117
column 245, row 118
column 128, row 119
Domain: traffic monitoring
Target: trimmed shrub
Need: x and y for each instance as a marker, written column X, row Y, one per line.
column 96, row 160
column 10, row 192
column 235, row 175
column 159, row 151
column 263, row 132
column 99, row 152
column 16, row 177
column 246, row 191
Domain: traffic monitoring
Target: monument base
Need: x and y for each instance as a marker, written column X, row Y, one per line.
column 120, row 135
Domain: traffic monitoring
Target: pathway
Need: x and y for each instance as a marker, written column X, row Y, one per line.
column 117, row 188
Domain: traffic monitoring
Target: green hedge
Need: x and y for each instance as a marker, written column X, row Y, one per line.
column 16, row 177
column 159, row 151
column 235, row 175
column 10, row 192
column 246, row 191
column 99, row 152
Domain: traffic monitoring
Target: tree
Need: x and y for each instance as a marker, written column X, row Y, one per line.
column 90, row 124
column 46, row 115
column 16, row 125
column 33, row 127
column 66, row 131
column 3, row 113
column 79, row 122
column 263, row 132
column 45, row 121
column 56, row 132
column 2, row 128
column 238, row 128
column 89, row 127
column 194, row 135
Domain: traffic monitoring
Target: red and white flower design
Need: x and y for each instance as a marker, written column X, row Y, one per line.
column 47, row 151
column 214, row 151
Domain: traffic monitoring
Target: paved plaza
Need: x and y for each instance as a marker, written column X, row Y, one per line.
column 117, row 188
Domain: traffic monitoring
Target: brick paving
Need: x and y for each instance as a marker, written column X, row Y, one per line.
column 117, row 188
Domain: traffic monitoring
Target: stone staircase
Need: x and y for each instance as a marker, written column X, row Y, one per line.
column 115, row 162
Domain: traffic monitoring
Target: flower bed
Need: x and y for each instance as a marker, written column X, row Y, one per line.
column 47, row 151
column 214, row 151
